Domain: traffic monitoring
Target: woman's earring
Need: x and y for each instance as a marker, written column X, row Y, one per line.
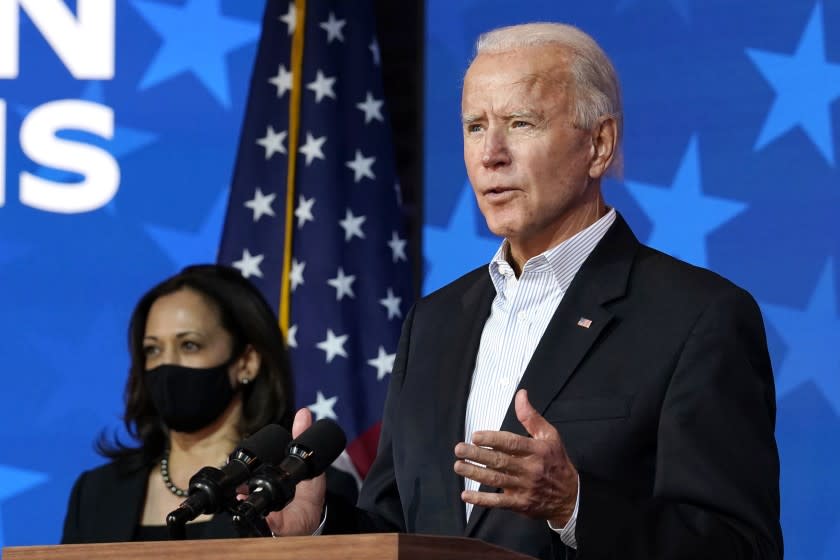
column 244, row 380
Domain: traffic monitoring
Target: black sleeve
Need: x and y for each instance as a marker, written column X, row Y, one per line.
column 716, row 492
column 72, row 531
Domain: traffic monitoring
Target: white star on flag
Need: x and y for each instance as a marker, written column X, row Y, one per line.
column 322, row 86
column 312, row 148
column 333, row 345
column 333, row 28
column 272, row 142
column 343, row 285
column 296, row 274
column 304, row 210
column 291, row 337
column 323, row 407
column 392, row 304
column 282, row 81
column 352, row 226
column 383, row 363
column 290, row 19
column 249, row 265
column 261, row 204
column 374, row 50
column 397, row 246
column 361, row 166
column 372, row 108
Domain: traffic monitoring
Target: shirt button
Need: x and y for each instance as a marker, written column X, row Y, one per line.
column 522, row 317
column 504, row 381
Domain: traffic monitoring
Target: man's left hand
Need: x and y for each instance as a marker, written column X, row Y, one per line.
column 535, row 474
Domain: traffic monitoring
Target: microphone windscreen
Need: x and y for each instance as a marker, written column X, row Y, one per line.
column 269, row 443
column 326, row 440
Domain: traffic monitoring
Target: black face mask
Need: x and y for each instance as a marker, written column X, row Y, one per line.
column 189, row 399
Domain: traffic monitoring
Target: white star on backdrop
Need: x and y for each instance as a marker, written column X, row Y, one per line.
column 261, row 204
column 304, row 210
column 312, row 148
column 397, row 246
column 282, row 81
column 383, row 362
column 352, row 226
column 272, row 142
column 343, row 284
column 249, row 265
column 683, row 215
column 333, row 345
column 296, row 274
column 290, row 19
column 322, row 86
column 323, row 407
column 362, row 167
column 372, row 108
column 291, row 337
column 392, row 304
column 333, row 28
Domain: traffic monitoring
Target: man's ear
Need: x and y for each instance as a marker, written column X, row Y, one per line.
column 604, row 145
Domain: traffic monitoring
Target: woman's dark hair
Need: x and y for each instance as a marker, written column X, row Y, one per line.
column 246, row 316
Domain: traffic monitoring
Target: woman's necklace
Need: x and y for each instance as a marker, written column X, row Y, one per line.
column 164, row 474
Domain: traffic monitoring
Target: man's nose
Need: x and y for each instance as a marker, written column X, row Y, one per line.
column 496, row 151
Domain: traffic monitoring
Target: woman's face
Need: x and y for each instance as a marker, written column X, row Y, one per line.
column 183, row 328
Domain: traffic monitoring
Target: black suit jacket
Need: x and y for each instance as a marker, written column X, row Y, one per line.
column 665, row 403
column 106, row 504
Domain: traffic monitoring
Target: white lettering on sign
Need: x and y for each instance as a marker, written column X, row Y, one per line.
column 100, row 171
column 84, row 42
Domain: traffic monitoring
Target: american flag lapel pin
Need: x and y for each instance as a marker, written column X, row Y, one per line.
column 584, row 322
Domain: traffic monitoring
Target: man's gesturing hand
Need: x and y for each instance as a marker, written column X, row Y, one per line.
column 303, row 514
column 535, row 475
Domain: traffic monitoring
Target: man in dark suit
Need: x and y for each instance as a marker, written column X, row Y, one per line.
column 599, row 399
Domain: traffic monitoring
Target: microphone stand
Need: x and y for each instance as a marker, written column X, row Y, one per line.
column 252, row 527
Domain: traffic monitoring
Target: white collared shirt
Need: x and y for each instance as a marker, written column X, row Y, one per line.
column 518, row 319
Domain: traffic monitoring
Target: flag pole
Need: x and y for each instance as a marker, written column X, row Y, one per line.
column 294, row 131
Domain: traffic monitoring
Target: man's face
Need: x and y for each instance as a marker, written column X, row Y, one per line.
column 528, row 165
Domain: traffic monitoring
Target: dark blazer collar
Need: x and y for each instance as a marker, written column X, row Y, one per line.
column 602, row 278
column 458, row 352
column 121, row 510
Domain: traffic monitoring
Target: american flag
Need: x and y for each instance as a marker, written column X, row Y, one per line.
column 314, row 217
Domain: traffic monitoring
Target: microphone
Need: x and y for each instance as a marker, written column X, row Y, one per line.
column 211, row 489
column 272, row 488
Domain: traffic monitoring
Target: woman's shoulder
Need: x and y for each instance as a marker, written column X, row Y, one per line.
column 115, row 472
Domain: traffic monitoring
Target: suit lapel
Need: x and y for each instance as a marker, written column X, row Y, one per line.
column 578, row 322
column 453, row 387
column 121, row 511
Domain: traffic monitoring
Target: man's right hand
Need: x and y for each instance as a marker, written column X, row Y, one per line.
column 303, row 514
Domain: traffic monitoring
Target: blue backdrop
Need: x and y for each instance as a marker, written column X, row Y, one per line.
column 731, row 150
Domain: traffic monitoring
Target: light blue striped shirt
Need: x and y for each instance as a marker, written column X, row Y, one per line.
column 518, row 318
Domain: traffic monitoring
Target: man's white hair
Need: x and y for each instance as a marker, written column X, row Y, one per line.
column 596, row 91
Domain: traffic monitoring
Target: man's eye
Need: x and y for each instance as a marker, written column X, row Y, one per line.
column 520, row 124
column 474, row 128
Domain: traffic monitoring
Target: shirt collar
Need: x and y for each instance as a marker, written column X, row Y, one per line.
column 563, row 260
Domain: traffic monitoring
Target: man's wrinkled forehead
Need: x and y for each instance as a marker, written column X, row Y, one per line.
column 545, row 68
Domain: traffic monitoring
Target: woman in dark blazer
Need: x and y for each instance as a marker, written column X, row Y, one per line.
column 208, row 368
